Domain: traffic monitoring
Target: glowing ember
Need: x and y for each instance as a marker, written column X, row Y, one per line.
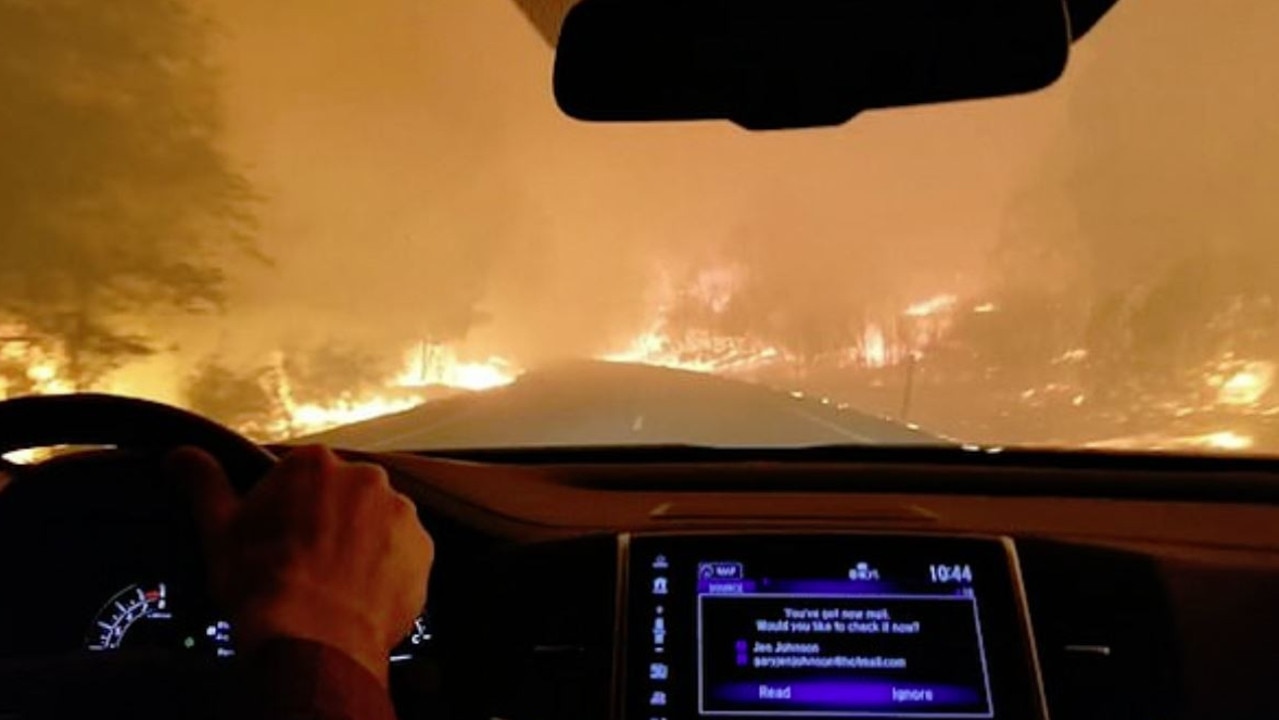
column 932, row 306
column 1243, row 384
column 1220, row 441
column 45, row 373
column 1225, row 440
column 1077, row 355
column 874, row 348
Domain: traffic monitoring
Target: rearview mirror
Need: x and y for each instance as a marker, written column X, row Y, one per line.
column 797, row 63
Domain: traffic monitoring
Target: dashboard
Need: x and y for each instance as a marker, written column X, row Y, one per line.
column 108, row 567
column 722, row 590
column 158, row 616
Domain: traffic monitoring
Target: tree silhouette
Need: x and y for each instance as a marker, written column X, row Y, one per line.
column 116, row 199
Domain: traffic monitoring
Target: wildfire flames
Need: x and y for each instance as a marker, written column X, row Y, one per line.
column 934, row 306
column 427, row 370
column 435, row 365
column 703, row 350
column 1241, row 383
column 30, row 369
column 426, row 367
column 34, row 370
column 700, row 352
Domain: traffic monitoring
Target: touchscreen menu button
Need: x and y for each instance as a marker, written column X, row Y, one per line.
column 658, row 668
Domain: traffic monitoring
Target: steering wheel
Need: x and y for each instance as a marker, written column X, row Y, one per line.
column 94, row 419
column 149, row 687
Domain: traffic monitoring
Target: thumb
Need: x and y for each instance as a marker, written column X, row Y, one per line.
column 213, row 501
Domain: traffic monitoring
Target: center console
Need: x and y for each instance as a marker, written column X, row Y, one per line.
column 825, row 626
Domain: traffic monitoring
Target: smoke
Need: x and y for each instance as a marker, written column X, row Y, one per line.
column 420, row 184
column 1153, row 211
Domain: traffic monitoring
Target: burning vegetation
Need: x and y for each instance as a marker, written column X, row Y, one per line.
column 190, row 215
column 908, row 364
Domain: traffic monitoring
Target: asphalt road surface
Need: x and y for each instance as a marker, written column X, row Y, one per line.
column 609, row 404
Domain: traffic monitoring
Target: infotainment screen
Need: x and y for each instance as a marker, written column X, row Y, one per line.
column 826, row 626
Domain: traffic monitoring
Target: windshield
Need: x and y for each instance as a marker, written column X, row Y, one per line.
column 300, row 215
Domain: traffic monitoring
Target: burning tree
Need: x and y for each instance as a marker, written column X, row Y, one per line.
column 115, row 198
column 304, row 390
column 269, row 400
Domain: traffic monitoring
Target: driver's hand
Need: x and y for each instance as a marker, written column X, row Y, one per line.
column 321, row 550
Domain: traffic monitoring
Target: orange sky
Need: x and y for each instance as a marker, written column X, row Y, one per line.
column 414, row 166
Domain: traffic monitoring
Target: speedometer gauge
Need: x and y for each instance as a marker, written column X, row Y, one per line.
column 163, row 617
column 137, row 615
